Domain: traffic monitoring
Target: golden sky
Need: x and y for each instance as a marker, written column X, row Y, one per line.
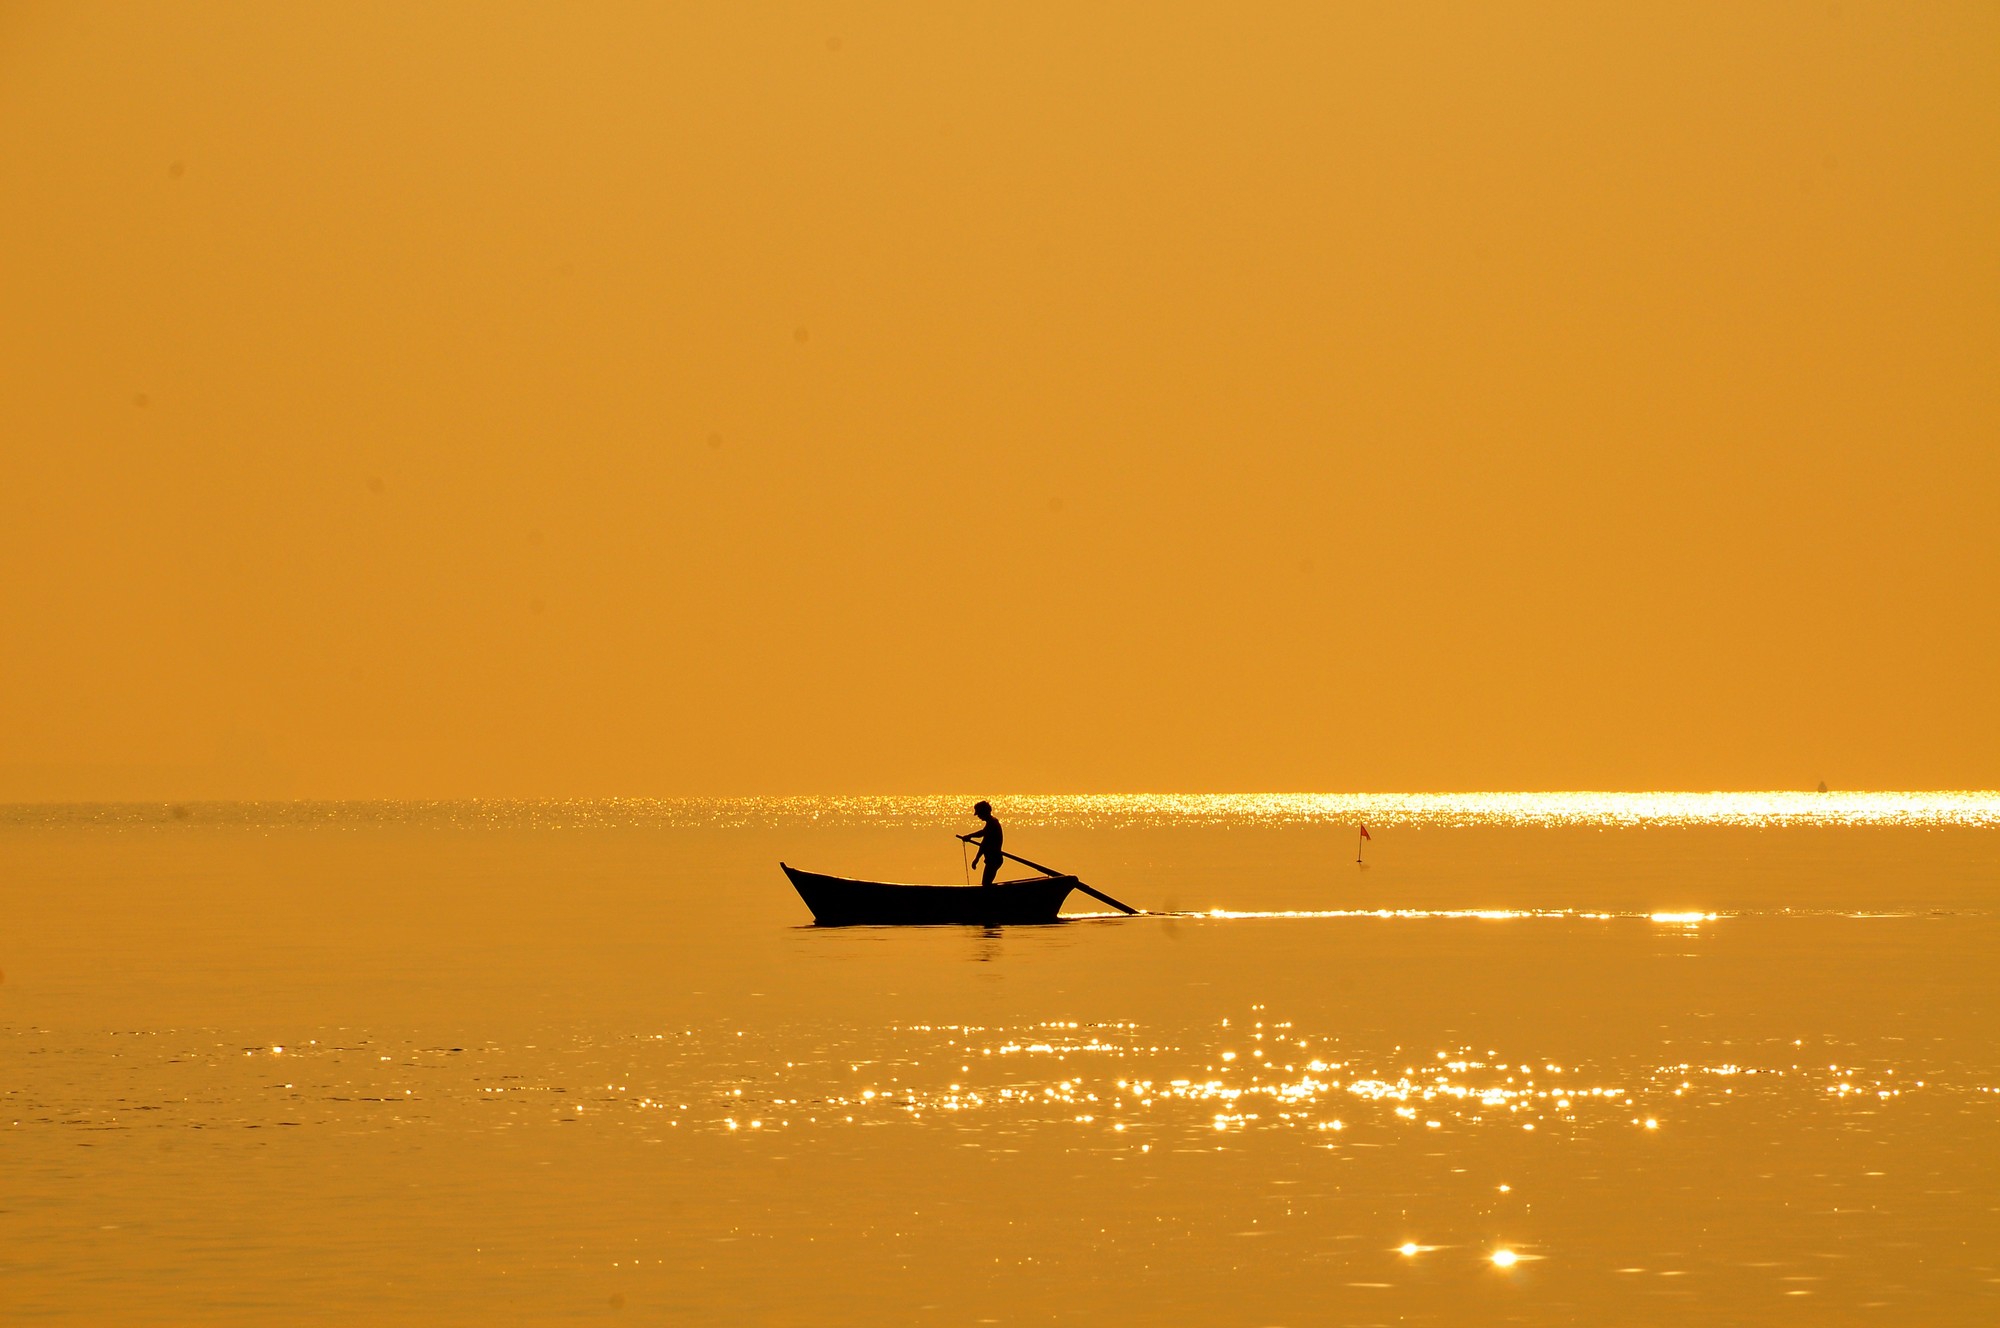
column 566, row 400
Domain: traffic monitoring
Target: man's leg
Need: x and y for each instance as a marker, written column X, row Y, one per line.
column 992, row 870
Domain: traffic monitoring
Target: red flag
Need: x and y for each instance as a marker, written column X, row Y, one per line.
column 1365, row 834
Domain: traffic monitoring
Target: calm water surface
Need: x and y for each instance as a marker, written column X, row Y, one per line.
column 1544, row 1059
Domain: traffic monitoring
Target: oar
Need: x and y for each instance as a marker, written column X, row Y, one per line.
column 1098, row 895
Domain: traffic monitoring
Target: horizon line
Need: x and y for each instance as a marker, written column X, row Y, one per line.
column 1572, row 792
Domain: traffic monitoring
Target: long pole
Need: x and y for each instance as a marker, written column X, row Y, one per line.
column 1098, row 895
column 1359, row 837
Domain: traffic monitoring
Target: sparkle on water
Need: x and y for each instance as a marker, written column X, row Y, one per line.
column 1937, row 808
column 1114, row 1079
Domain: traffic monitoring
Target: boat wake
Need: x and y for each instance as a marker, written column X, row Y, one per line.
column 1479, row 914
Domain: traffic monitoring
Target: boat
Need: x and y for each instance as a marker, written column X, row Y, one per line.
column 837, row 901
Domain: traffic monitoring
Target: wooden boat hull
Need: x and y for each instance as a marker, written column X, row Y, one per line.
column 836, row 901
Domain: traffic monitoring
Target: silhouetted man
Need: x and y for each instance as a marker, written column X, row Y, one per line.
column 988, row 839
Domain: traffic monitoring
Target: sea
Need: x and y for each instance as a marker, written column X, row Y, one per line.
column 1555, row 1058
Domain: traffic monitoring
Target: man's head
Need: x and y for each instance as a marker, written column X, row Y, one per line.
column 983, row 810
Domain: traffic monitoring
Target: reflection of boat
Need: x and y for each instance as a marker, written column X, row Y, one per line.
column 836, row 901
